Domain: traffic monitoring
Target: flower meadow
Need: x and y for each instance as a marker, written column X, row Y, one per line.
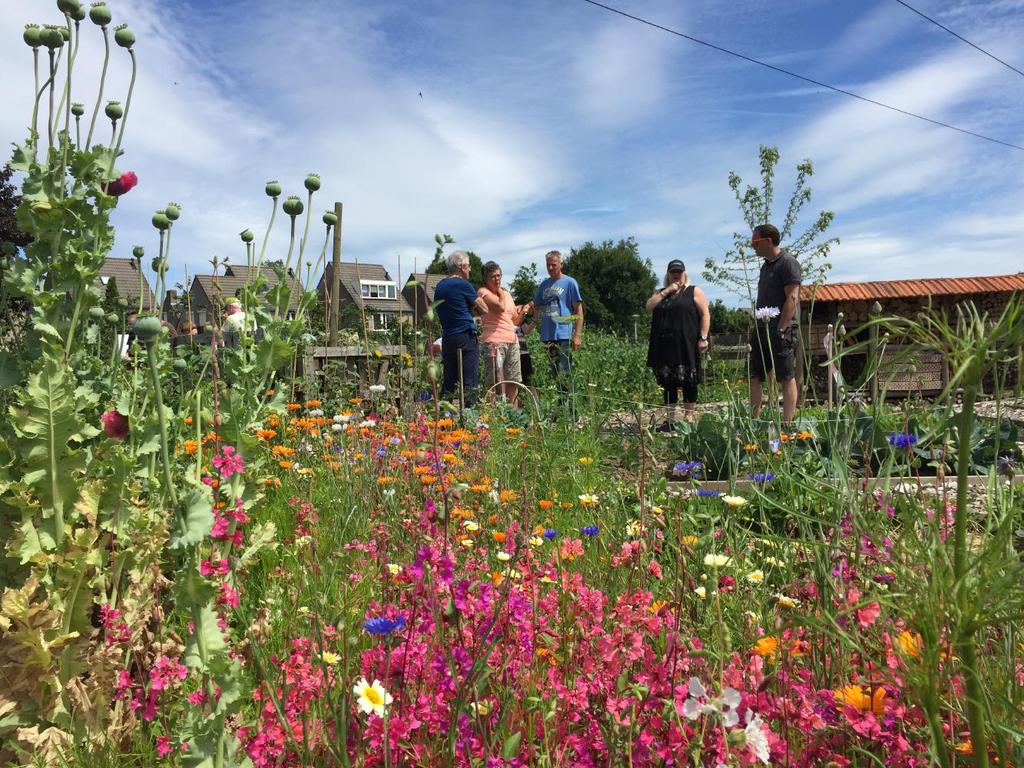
column 212, row 562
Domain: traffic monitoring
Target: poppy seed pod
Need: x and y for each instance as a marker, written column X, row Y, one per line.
column 79, row 14
column 77, row 109
column 96, row 312
column 330, row 218
column 138, row 251
column 122, row 302
column 173, row 211
column 146, row 329
column 100, row 14
column 51, row 37
column 41, row 206
column 32, row 35
column 273, row 189
column 293, row 206
column 432, row 371
column 312, row 182
column 179, row 364
column 112, row 318
column 158, row 264
column 65, row 34
column 247, row 235
column 124, row 36
column 67, row 6
column 113, row 110
column 160, row 220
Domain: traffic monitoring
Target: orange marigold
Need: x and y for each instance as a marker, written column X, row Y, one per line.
column 545, row 504
column 507, row 496
column 856, row 697
column 499, row 536
column 313, row 403
column 188, row 421
column 267, row 434
column 293, row 406
column 283, row 464
column 190, row 446
column 766, row 646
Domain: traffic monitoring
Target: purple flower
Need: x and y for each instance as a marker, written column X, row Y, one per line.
column 590, row 530
column 382, row 625
column 761, row 477
column 687, row 467
column 1007, row 466
column 550, row 533
column 706, row 492
column 902, row 439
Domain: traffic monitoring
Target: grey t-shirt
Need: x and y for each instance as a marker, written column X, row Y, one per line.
column 775, row 276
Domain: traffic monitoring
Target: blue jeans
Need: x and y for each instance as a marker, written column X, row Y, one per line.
column 470, row 347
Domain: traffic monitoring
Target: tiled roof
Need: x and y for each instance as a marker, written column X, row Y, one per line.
column 931, row 286
column 126, row 274
column 427, row 281
column 230, row 285
column 350, row 275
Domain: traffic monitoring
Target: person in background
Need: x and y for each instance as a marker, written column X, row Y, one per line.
column 680, row 324
column 558, row 298
column 458, row 302
column 773, row 339
column 500, row 342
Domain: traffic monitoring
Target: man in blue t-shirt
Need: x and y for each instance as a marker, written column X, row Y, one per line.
column 458, row 301
column 560, row 308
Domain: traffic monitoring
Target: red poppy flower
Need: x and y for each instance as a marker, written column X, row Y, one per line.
column 115, row 424
column 116, row 188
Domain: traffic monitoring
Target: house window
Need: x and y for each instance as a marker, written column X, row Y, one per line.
column 104, row 279
column 378, row 289
column 383, row 320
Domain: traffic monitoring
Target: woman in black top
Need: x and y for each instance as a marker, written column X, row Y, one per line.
column 679, row 333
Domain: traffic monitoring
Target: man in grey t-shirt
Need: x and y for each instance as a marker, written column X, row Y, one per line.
column 774, row 337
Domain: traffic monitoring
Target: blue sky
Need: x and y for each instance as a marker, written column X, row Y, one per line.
column 542, row 125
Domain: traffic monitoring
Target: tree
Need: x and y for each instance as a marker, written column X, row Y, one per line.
column 728, row 320
column 614, row 282
column 524, row 284
column 9, row 202
column 439, row 267
column 739, row 267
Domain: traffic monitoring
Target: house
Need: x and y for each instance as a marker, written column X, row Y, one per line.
column 129, row 281
column 207, row 293
column 419, row 292
column 823, row 304
column 367, row 288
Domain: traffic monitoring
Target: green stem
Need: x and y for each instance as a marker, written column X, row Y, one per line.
column 162, row 419
column 305, row 233
column 103, row 78
column 53, row 74
column 127, row 106
column 74, row 323
column 35, row 106
column 266, row 235
column 287, row 261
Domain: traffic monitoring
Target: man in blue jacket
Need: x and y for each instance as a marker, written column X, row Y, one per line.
column 458, row 301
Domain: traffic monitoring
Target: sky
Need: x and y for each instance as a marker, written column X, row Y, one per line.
column 528, row 126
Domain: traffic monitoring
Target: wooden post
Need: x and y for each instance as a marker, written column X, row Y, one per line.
column 829, row 354
column 335, row 305
column 876, row 311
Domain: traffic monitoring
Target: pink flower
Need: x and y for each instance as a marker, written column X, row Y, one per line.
column 115, row 424
column 210, row 568
column 164, row 746
column 124, row 183
column 229, row 463
column 867, row 615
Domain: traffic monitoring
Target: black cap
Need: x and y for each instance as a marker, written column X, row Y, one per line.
column 676, row 264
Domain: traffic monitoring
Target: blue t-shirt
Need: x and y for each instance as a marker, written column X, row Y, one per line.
column 554, row 299
column 456, row 295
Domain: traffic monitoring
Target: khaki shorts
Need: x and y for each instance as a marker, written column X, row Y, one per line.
column 501, row 362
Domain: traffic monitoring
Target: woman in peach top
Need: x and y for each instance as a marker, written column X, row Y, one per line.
column 500, row 353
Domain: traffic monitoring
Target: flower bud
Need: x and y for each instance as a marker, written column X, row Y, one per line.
column 41, row 206
column 312, row 182
column 173, row 211
column 32, row 35
column 179, row 364
column 246, row 235
column 96, row 312
column 100, row 14
column 330, row 218
column 432, row 371
column 51, row 37
column 160, row 221
column 113, row 110
column 273, row 189
column 138, row 251
column 124, row 36
column 122, row 302
column 293, row 206
column 77, row 109
column 67, row 6
column 147, row 328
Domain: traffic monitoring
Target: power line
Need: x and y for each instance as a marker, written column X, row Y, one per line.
column 818, row 83
column 959, row 37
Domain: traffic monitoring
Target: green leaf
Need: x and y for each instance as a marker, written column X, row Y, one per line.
column 198, row 520
column 206, row 629
column 10, row 373
column 511, row 746
column 271, row 354
column 260, row 536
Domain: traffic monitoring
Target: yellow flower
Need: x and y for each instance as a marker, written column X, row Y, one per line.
column 909, row 643
column 766, row 646
column 856, row 697
column 734, row 502
column 371, row 697
column 471, row 525
column 691, row 540
column 586, row 461
column 701, row 592
column 634, row 528
column 536, row 541
column 394, row 569
column 467, row 543
column 330, row 658
column 717, row 561
column 787, row 602
column 481, row 708
column 755, row 577
column 587, row 499
column 504, row 556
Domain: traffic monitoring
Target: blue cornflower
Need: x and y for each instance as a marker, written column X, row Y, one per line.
column 706, row 492
column 761, row 477
column 381, row 625
column 550, row 533
column 688, row 466
column 382, row 452
column 590, row 530
column 902, row 439
column 424, row 396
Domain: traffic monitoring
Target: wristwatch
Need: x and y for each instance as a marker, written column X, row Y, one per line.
column 703, row 338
